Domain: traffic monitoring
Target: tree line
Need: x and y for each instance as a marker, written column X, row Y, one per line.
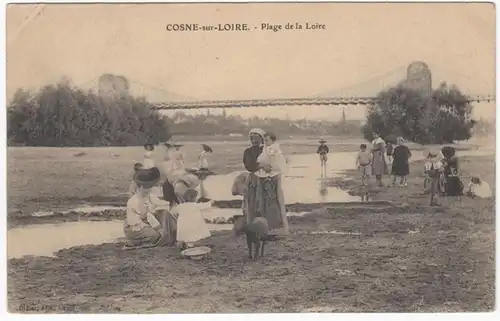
column 63, row 115
column 442, row 117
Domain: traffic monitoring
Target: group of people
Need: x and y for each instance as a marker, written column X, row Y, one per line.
column 441, row 170
column 176, row 219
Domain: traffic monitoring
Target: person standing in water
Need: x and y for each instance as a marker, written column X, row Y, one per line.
column 323, row 151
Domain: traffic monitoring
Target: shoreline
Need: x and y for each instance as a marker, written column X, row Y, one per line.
column 392, row 259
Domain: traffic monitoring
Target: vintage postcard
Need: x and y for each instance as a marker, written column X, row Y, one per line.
column 250, row 157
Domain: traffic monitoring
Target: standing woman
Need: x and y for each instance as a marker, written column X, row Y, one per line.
column 401, row 163
column 263, row 196
column 379, row 165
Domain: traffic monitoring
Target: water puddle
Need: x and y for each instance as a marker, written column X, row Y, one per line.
column 84, row 209
column 45, row 239
column 302, row 183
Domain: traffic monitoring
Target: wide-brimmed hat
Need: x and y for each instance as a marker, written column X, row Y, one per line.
column 322, row 140
column 149, row 145
column 147, row 177
column 168, row 145
column 207, row 148
column 431, row 152
column 448, row 151
column 178, row 145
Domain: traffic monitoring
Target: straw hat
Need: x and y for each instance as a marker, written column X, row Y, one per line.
column 207, row 148
column 322, row 141
column 147, row 177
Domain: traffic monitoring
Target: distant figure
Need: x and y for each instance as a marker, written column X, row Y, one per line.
column 433, row 168
column 453, row 186
column 271, row 155
column 323, row 151
column 363, row 163
column 390, row 152
column 202, row 159
column 401, row 163
column 379, row 165
column 148, row 156
column 478, row 188
column 133, row 186
column 178, row 157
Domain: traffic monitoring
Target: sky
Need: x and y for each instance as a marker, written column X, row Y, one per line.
column 360, row 42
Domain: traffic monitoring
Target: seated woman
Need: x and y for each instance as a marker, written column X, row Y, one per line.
column 453, row 184
column 191, row 226
column 478, row 188
column 148, row 221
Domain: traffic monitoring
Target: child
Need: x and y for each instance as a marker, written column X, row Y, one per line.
column 148, row 156
column 433, row 167
column 478, row 188
column 133, row 186
column 323, row 151
column 271, row 155
column 363, row 163
column 178, row 157
column 390, row 150
column 202, row 160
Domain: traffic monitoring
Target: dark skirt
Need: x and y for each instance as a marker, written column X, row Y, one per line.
column 400, row 167
column 454, row 186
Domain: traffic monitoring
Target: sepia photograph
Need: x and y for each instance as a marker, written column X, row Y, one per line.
column 290, row 157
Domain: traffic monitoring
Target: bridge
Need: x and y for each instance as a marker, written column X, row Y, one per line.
column 357, row 94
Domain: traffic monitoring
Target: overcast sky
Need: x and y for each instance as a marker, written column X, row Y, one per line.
column 361, row 41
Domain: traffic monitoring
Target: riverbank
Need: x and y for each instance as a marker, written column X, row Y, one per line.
column 397, row 259
column 58, row 179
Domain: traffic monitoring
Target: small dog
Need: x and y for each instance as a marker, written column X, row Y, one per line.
column 256, row 233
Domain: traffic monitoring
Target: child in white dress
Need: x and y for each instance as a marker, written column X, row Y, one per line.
column 271, row 155
column 148, row 156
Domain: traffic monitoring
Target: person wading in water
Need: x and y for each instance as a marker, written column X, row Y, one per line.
column 323, row 151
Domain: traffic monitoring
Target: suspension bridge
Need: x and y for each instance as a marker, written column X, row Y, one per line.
column 363, row 93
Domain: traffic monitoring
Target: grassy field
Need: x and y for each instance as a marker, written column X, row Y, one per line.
column 401, row 259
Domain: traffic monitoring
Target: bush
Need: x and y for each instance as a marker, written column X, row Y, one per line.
column 400, row 111
column 61, row 115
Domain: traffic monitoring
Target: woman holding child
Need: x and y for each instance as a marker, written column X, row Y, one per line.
column 263, row 193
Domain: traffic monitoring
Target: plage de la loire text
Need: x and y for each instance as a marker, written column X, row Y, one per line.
column 235, row 27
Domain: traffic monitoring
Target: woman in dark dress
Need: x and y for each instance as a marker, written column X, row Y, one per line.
column 453, row 184
column 401, row 163
column 263, row 196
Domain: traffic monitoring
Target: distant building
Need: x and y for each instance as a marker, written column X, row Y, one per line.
column 419, row 77
column 113, row 86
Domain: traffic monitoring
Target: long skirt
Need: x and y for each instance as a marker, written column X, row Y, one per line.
column 264, row 198
column 454, row 186
column 379, row 165
column 165, row 234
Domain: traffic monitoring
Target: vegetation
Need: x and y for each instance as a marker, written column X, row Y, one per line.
column 62, row 115
column 185, row 124
column 443, row 117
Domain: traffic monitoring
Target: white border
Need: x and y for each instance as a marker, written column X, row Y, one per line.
column 218, row 317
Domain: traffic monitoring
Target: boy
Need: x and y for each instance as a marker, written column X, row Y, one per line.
column 272, row 155
column 432, row 169
column 363, row 163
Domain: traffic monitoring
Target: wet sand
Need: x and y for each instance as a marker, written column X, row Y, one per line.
column 392, row 259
